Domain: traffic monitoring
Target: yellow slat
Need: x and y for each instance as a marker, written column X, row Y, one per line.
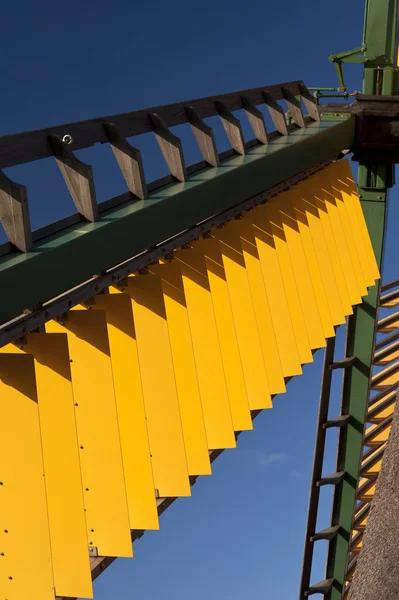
column 300, row 270
column 68, row 533
column 344, row 173
column 25, row 566
column 235, row 367
column 374, row 468
column 103, row 479
column 389, row 323
column 328, row 203
column 276, row 294
column 307, row 215
column 377, row 437
column 208, row 358
column 338, row 190
column 140, row 488
column 168, row 452
column 313, row 201
column 185, row 370
column 366, row 494
column 361, row 524
column 243, row 310
column 297, row 227
column 263, row 314
column 270, row 217
column 385, row 379
column 383, row 413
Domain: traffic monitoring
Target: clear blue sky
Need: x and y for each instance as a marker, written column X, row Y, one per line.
column 241, row 534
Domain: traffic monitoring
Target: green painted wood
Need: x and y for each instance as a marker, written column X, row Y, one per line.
column 68, row 258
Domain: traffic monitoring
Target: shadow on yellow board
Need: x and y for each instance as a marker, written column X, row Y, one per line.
column 134, row 442
column 98, row 432
column 25, row 567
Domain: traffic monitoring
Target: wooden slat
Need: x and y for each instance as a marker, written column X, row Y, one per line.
column 204, row 136
column 78, row 177
column 256, row 120
column 170, row 146
column 276, row 113
column 14, row 213
column 309, row 102
column 33, row 145
column 232, row 127
column 294, row 106
column 129, row 160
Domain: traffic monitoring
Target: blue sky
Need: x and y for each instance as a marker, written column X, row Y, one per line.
column 241, row 534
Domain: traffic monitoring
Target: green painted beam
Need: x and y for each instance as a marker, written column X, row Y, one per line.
column 380, row 78
column 68, row 258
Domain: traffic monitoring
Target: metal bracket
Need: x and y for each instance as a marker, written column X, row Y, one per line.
column 93, row 551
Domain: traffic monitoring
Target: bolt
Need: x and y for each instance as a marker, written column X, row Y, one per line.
column 81, row 447
column 10, row 577
column 1, row 483
column 76, row 404
column 379, row 197
column 92, row 530
column 67, row 139
column 6, row 531
column 1, row 553
column 86, row 489
column 90, row 543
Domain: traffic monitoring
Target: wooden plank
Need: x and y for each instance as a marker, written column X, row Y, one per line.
column 33, row 145
column 309, row 102
column 170, row 146
column 294, row 106
column 129, row 160
column 232, row 127
column 256, row 120
column 204, row 136
column 78, row 177
column 14, row 213
column 276, row 113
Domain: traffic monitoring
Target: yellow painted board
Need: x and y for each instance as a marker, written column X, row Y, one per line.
column 300, row 243
column 263, row 314
column 229, row 346
column 308, row 215
column 374, row 468
column 140, row 488
column 329, row 203
column 361, row 523
column 103, row 478
column 381, row 435
column 390, row 323
column 207, row 352
column 243, row 311
column 366, row 493
column 357, row 544
column 300, row 270
column 68, row 530
column 390, row 303
column 385, row 411
column 192, row 417
column 269, row 216
column 384, row 378
column 337, row 190
column 312, row 199
column 169, row 462
column 274, row 285
column 352, row 201
column 25, row 567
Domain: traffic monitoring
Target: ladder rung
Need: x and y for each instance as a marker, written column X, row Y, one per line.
column 345, row 363
column 323, row 587
column 337, row 422
column 332, row 479
column 325, row 534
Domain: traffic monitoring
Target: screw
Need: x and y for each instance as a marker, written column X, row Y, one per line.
column 6, row 531
column 10, row 577
column 1, row 483
column 90, row 543
column 92, row 530
column 1, row 553
column 81, row 447
column 67, row 139
column 87, row 489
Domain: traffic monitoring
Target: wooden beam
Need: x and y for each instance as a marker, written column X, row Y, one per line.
column 232, row 127
column 171, row 147
column 129, row 160
column 79, row 178
column 256, row 120
column 309, row 102
column 204, row 136
column 276, row 113
column 14, row 213
column 294, row 106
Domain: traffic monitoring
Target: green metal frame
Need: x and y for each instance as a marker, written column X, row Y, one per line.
column 66, row 259
column 380, row 78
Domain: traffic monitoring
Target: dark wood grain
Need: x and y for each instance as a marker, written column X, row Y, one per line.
column 170, row 146
column 79, row 178
column 204, row 136
column 14, row 213
column 276, row 113
column 256, row 120
column 232, row 127
column 294, row 106
column 24, row 147
column 309, row 102
column 129, row 160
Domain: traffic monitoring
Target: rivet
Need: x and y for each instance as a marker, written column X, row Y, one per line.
column 90, row 543
column 87, row 489
column 92, row 530
column 6, row 531
column 1, row 553
column 81, row 447
column 1, row 483
column 71, row 360
column 10, row 577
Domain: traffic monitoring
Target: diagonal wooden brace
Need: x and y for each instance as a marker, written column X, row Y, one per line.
column 14, row 213
column 129, row 160
column 171, row 147
column 232, row 127
column 204, row 136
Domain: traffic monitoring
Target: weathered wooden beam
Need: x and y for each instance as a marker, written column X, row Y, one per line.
column 78, row 176
column 256, row 120
column 129, row 160
column 24, row 147
column 276, row 113
column 309, row 102
column 14, row 213
column 171, row 147
column 204, row 136
column 294, row 106
column 232, row 127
